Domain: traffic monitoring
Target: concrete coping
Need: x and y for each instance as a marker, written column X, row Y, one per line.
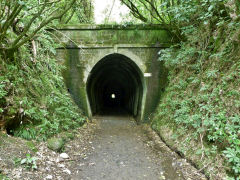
column 100, row 46
column 110, row 27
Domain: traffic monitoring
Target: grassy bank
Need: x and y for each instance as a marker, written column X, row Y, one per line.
column 199, row 113
column 34, row 101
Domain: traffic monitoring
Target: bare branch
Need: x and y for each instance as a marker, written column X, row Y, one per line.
column 70, row 17
column 34, row 50
column 53, row 2
column 17, row 9
column 110, row 10
column 134, row 10
column 156, row 11
column 43, row 24
column 27, row 27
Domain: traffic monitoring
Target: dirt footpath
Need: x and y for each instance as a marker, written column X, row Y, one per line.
column 110, row 148
column 122, row 150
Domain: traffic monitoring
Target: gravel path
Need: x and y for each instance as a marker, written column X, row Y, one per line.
column 122, row 151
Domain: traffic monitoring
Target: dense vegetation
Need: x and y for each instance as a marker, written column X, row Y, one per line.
column 34, row 102
column 200, row 109
column 199, row 112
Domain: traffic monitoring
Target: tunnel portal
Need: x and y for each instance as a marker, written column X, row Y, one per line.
column 114, row 67
column 115, row 84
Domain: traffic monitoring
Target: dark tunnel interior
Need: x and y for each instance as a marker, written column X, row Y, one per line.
column 115, row 85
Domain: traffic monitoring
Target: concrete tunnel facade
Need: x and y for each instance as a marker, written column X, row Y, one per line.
column 106, row 60
column 116, row 84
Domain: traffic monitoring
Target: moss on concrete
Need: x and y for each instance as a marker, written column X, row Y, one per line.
column 156, row 83
column 95, row 35
column 87, row 44
column 110, row 26
column 73, row 75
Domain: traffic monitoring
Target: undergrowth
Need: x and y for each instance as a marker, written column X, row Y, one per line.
column 202, row 101
column 34, row 101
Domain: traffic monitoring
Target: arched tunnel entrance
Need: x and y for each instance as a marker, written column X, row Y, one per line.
column 115, row 85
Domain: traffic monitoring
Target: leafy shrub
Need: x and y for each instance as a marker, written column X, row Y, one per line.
column 203, row 93
column 33, row 97
column 28, row 162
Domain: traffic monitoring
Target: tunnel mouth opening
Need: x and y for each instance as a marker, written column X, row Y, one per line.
column 115, row 87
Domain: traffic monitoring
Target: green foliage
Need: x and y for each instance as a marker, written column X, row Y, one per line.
column 21, row 21
column 82, row 12
column 31, row 146
column 233, row 157
column 203, row 93
column 199, row 97
column 28, row 162
column 3, row 177
column 34, row 100
column 24, row 21
column 3, row 92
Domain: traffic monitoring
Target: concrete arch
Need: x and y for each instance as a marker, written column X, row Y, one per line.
column 120, row 75
column 125, row 52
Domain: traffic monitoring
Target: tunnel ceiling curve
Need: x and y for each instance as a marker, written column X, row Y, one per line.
column 115, row 83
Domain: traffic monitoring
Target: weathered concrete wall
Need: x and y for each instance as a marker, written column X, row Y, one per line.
column 84, row 46
column 108, row 36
